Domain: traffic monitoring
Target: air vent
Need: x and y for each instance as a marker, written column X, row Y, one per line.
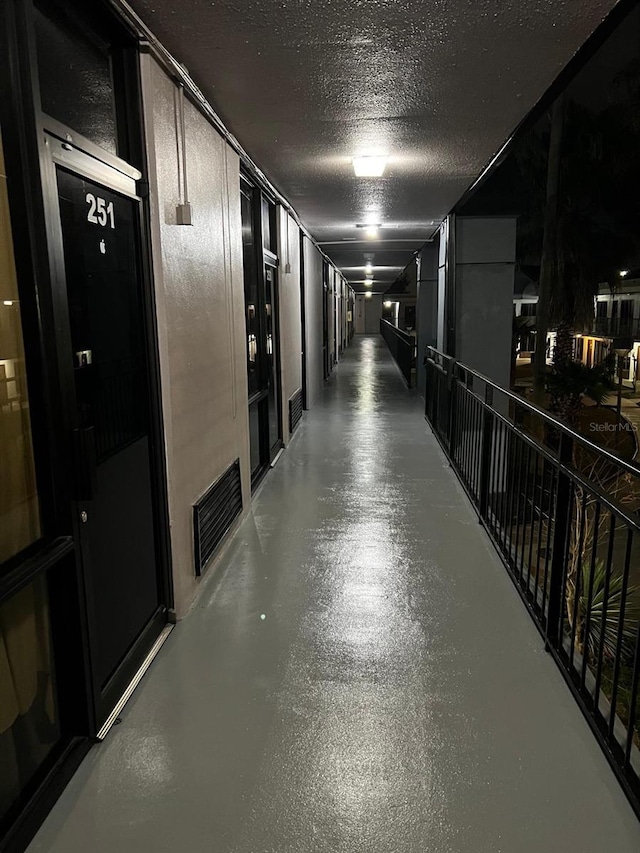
column 295, row 410
column 214, row 514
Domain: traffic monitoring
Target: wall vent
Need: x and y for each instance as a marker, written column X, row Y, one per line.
column 214, row 514
column 295, row 410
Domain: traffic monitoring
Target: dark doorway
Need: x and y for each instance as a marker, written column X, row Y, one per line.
column 261, row 313
column 325, row 320
column 95, row 239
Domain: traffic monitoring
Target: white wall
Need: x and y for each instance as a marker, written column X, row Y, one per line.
column 200, row 313
column 289, row 313
column 313, row 314
column 359, row 309
column 372, row 314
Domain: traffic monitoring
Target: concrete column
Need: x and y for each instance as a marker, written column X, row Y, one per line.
column 485, row 254
column 427, row 307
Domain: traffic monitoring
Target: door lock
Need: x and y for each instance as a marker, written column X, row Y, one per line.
column 84, row 517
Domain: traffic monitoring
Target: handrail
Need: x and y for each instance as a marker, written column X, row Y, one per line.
column 567, row 535
column 610, row 455
column 405, row 336
column 402, row 347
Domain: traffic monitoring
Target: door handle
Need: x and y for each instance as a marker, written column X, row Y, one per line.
column 85, row 462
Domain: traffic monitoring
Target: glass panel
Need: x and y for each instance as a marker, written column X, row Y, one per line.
column 250, row 292
column 29, row 725
column 19, row 510
column 74, row 69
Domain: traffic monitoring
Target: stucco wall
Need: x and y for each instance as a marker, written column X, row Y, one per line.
column 313, row 312
column 289, row 313
column 200, row 311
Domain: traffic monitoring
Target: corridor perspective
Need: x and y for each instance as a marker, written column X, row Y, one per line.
column 359, row 676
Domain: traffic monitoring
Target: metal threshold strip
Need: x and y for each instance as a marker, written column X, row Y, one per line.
column 137, row 678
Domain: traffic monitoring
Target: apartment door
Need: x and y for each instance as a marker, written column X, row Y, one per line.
column 95, row 245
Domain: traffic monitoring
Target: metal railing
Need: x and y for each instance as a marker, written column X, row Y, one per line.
column 563, row 514
column 402, row 346
column 617, row 327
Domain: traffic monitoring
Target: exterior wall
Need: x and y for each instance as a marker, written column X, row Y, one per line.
column 200, row 313
column 427, row 310
column 359, row 311
column 442, row 286
column 313, row 315
column 484, row 281
column 290, row 317
column 372, row 314
column 331, row 321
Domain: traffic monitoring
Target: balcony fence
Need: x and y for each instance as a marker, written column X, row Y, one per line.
column 563, row 514
column 402, row 346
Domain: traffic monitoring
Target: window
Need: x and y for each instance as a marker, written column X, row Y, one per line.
column 19, row 509
column 28, row 708
column 75, row 73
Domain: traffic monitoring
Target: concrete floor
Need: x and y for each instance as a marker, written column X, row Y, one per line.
column 395, row 698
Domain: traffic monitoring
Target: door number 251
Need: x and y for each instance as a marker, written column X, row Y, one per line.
column 100, row 213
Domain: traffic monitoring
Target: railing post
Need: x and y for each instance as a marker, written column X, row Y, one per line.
column 487, row 443
column 452, row 410
column 559, row 546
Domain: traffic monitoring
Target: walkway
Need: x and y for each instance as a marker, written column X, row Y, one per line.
column 395, row 698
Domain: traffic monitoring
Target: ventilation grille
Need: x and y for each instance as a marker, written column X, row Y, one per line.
column 295, row 410
column 214, row 514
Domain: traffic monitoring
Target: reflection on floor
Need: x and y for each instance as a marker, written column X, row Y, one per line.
column 361, row 675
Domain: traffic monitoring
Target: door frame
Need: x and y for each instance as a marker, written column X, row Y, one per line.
column 62, row 147
column 271, row 260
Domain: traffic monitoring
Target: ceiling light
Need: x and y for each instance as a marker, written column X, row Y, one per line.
column 8, row 302
column 368, row 269
column 368, row 283
column 387, row 304
column 371, row 231
column 623, row 273
column 368, row 294
column 369, row 167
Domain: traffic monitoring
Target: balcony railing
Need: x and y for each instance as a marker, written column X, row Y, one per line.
column 617, row 327
column 402, row 346
column 562, row 512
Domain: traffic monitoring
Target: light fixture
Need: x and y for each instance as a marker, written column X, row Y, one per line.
column 368, row 269
column 369, row 167
column 7, row 302
column 371, row 231
column 368, row 294
column 623, row 273
column 368, row 282
column 387, row 304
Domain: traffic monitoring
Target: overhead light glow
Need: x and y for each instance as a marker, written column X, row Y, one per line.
column 623, row 273
column 371, row 231
column 387, row 304
column 368, row 269
column 368, row 283
column 369, row 167
column 368, row 294
column 8, row 302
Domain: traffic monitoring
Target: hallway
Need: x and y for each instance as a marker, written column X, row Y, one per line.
column 360, row 675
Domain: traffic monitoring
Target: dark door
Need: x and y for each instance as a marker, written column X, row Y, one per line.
column 325, row 320
column 272, row 371
column 101, row 280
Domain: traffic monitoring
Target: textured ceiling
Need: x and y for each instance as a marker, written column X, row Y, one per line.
column 438, row 86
